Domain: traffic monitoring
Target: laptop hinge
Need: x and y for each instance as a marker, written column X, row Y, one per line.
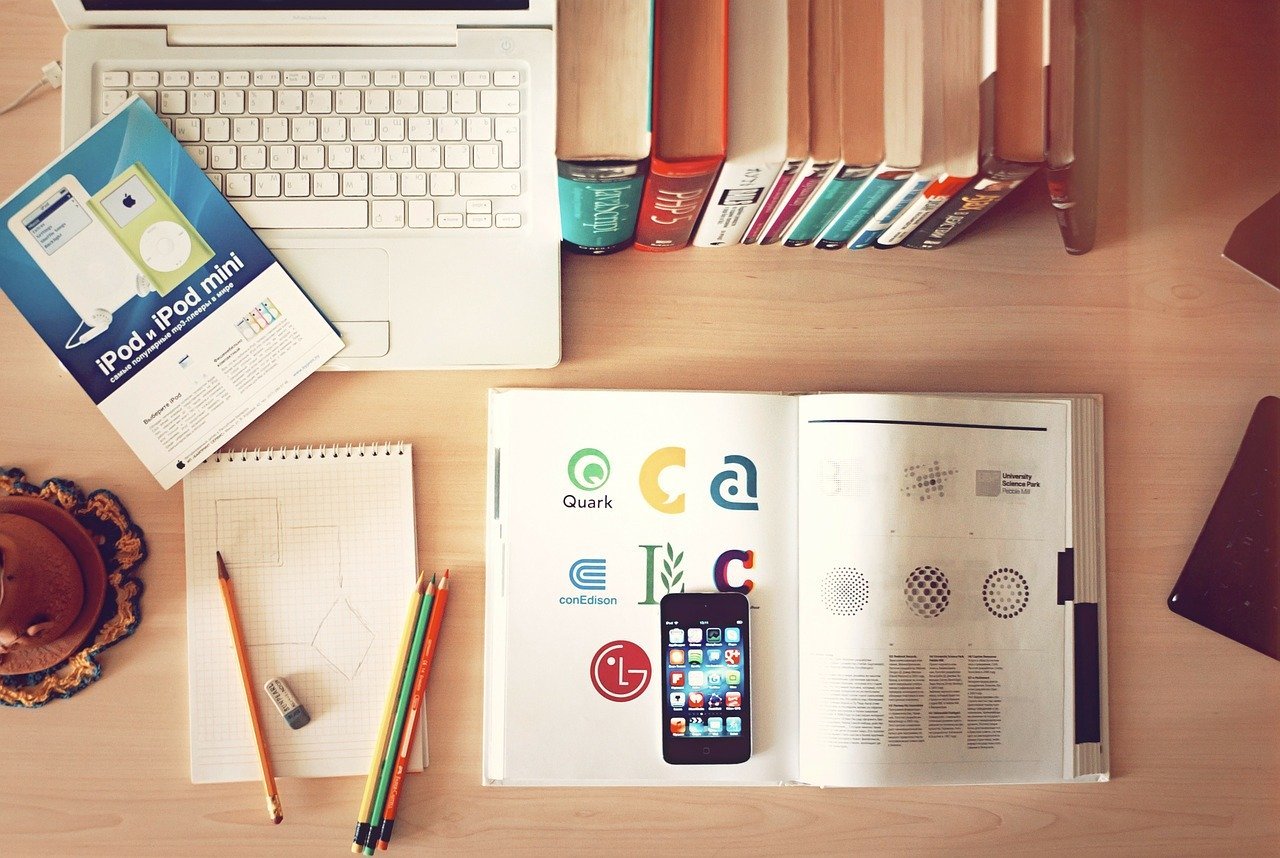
column 315, row 34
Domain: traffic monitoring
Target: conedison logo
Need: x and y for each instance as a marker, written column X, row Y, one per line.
column 587, row 573
column 589, row 469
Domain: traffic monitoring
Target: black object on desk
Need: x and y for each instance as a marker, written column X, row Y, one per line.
column 1231, row 583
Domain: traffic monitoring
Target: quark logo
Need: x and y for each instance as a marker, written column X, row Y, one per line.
column 720, row 572
column 620, row 671
column 651, row 479
column 588, row 469
column 735, row 487
column 587, row 574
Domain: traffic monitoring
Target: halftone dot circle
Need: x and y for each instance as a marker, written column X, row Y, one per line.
column 928, row 591
column 1005, row 593
column 844, row 591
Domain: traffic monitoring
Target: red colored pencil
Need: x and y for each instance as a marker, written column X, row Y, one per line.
column 415, row 704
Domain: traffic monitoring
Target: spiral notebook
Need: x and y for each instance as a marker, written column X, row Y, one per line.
column 319, row 543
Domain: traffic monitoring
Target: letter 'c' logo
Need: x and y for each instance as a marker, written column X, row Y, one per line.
column 651, row 474
column 721, row 570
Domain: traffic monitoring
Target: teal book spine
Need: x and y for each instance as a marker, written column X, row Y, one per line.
column 839, row 191
column 861, row 208
column 599, row 204
column 890, row 211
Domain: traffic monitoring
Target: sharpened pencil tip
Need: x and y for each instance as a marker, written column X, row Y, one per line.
column 422, row 582
column 222, row 566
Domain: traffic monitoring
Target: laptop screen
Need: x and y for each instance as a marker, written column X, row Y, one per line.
column 303, row 5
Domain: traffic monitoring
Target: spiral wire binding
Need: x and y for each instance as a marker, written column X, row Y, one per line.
column 321, row 451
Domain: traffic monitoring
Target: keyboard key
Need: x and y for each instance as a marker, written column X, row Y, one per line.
column 115, row 78
column 435, row 101
column 449, row 128
column 448, row 78
column 506, row 78
column 404, row 101
column 463, row 101
column 266, row 78
column 391, row 129
column 500, row 101
column 328, row 78
column 231, row 101
column 324, row 184
column 377, row 101
column 346, row 101
column 311, row 158
column 489, row 184
column 355, row 184
column 113, row 98
column 217, row 129
column 246, row 129
column 234, row 78
column 149, row 97
column 484, row 156
column 479, row 221
column 457, row 156
column 420, row 128
column 262, row 101
column 369, row 157
column 443, row 184
column 304, row 129
column 388, row 214
column 199, row 154
column 206, row 78
column 333, row 128
column 239, row 184
column 355, row 78
column 319, row 101
column 413, row 184
column 479, row 207
column 385, row 185
column 186, row 129
column 283, row 157
column 506, row 130
column 342, row 156
column 449, row 220
column 266, row 184
column 427, row 156
column 297, row 78
column 297, row 185
column 363, row 129
column 479, row 128
column 304, row 214
column 507, row 220
column 289, row 102
column 417, row 78
column 216, row 180
column 201, row 102
column 275, row 129
column 222, row 157
column 176, row 78
column 475, row 78
column 399, row 156
column 253, row 157
column 386, row 77
column 422, row 214
column 146, row 78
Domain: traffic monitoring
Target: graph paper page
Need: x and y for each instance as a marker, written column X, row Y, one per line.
column 322, row 558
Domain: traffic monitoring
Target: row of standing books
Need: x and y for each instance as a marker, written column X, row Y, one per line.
column 820, row 123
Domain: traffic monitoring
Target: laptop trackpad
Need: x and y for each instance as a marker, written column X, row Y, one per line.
column 348, row 284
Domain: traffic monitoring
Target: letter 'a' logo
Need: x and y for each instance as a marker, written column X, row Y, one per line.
column 651, row 475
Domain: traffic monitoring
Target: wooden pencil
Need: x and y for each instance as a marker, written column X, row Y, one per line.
column 415, row 705
column 388, row 710
column 237, row 637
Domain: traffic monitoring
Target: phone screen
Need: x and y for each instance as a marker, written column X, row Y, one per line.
column 706, row 703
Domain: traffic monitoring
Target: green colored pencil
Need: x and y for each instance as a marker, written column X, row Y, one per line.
column 397, row 726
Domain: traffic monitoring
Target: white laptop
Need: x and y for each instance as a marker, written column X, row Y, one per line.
column 397, row 155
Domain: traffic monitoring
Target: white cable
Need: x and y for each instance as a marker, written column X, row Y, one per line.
column 50, row 75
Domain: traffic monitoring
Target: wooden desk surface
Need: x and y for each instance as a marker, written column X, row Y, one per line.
column 1180, row 342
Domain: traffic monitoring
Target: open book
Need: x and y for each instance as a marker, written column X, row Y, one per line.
column 925, row 575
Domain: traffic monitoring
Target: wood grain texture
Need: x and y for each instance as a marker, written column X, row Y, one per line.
column 1180, row 342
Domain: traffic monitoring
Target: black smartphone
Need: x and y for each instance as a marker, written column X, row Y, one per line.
column 706, row 678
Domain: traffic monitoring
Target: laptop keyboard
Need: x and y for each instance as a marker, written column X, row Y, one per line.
column 389, row 149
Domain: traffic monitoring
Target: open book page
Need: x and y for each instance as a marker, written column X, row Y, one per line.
column 932, row 644
column 604, row 502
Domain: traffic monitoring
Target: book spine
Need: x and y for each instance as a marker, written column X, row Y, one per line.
column 827, row 204
column 942, row 189
column 734, row 202
column 962, row 211
column 864, row 205
column 671, row 204
column 891, row 211
column 599, row 204
column 773, row 200
column 812, row 175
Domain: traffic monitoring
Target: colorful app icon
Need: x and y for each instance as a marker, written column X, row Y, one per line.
column 714, row 701
column 713, row 656
column 695, row 656
column 715, row 725
column 733, row 656
column 675, row 656
column 733, row 677
column 715, row 678
column 713, row 635
column 733, row 699
column 677, row 699
column 675, row 636
column 677, row 726
column 733, row 635
column 675, row 679
column 695, row 636
column 695, row 700
column 734, row 724
column 696, row 728
column 697, row 679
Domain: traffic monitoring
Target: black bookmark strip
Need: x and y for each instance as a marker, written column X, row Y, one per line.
column 942, row 425
column 1088, row 674
column 1066, row 576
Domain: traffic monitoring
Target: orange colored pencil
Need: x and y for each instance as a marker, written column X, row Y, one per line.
column 415, row 704
column 255, row 718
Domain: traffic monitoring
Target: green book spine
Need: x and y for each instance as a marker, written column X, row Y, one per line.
column 830, row 202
